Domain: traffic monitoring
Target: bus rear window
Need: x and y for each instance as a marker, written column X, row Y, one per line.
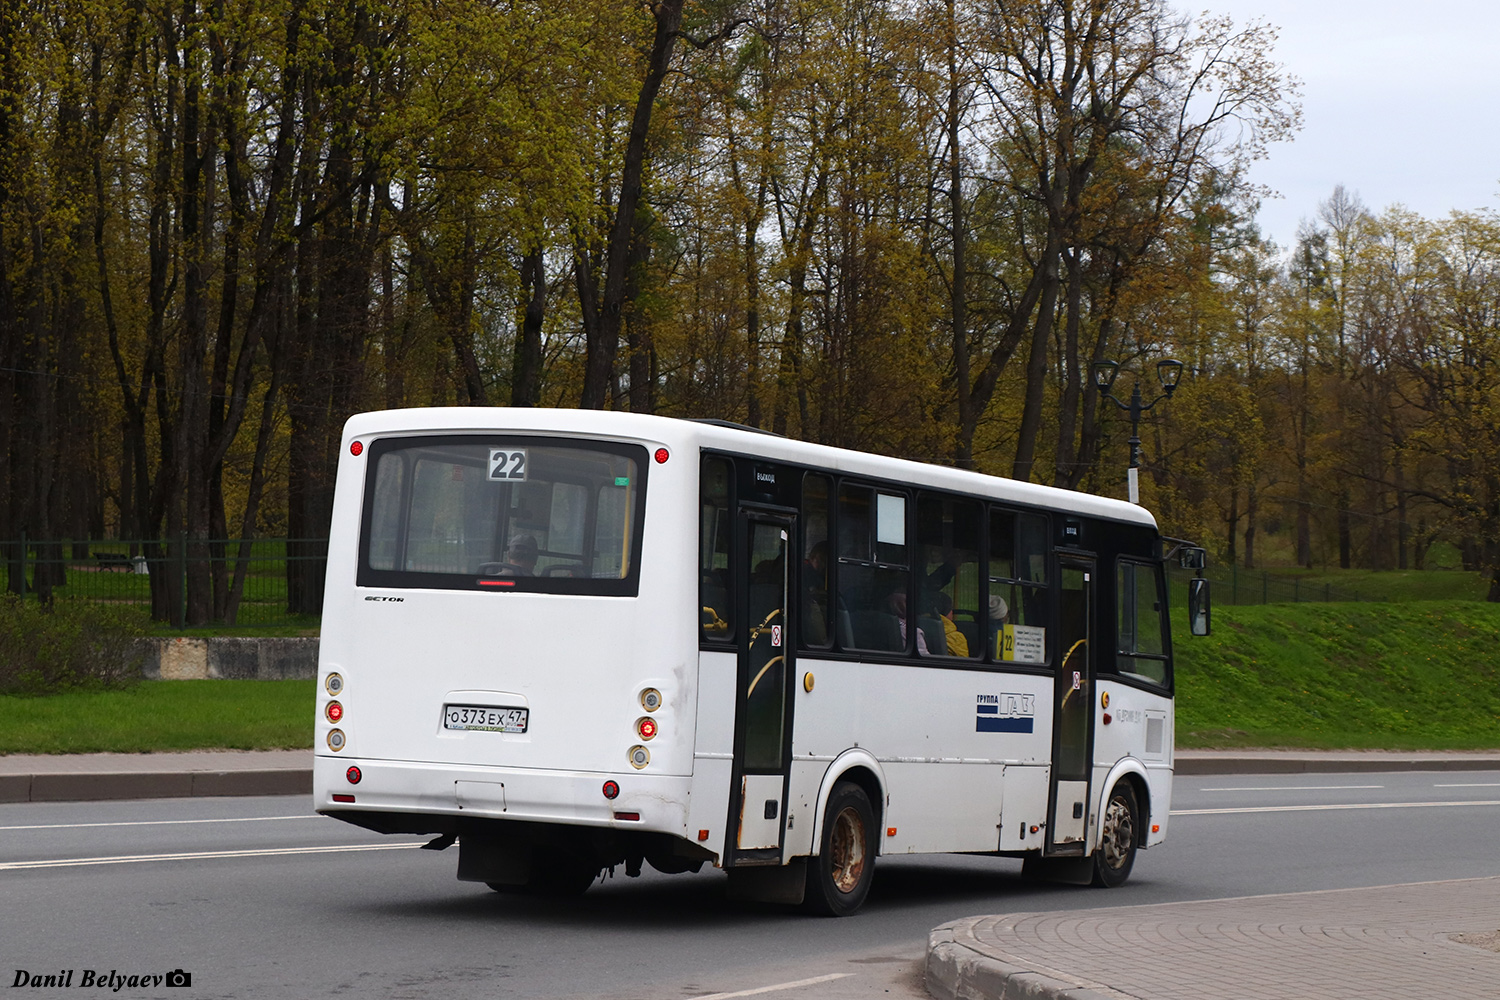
column 502, row 513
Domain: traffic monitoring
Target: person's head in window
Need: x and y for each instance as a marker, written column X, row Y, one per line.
column 817, row 565
column 522, row 554
column 999, row 611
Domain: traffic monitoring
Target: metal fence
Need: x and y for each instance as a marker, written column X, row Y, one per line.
column 244, row 583
column 1232, row 585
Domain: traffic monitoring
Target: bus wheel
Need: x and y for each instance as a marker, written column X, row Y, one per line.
column 838, row 879
column 1118, row 838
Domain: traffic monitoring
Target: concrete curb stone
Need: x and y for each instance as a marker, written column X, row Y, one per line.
column 102, row 786
column 960, row 968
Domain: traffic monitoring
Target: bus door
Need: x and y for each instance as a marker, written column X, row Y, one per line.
column 1072, row 718
column 762, row 731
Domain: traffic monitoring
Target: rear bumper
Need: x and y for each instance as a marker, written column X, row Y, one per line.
column 454, row 792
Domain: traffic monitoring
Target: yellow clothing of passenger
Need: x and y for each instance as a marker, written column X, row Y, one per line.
column 957, row 644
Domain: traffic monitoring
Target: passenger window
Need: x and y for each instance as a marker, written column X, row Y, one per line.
column 874, row 578
column 1018, row 606
column 715, row 536
column 948, row 576
column 1142, row 632
column 818, row 615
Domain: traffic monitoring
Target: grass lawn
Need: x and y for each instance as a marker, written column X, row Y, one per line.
column 162, row 715
column 1407, row 676
column 1419, row 675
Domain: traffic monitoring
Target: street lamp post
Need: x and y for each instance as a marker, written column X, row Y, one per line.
column 1168, row 372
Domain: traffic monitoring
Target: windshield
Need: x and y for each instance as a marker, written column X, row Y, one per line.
column 475, row 513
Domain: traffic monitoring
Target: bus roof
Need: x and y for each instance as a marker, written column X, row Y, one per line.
column 675, row 432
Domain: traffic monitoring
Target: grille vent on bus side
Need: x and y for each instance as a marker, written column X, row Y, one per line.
column 1155, row 725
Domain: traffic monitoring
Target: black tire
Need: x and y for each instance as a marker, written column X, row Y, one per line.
column 1119, row 838
column 839, row 877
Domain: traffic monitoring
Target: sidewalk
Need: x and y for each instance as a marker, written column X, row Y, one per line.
column 97, row 776
column 1430, row 939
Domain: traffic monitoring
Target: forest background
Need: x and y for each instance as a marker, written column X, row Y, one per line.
column 904, row 226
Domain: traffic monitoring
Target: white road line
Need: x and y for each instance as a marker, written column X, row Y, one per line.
column 1288, row 788
column 268, row 852
column 158, row 822
column 1359, row 805
column 1475, row 784
column 779, row 986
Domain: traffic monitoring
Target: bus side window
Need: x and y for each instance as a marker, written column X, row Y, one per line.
column 948, row 575
column 1141, row 646
column 1018, row 603
column 873, row 572
column 715, row 536
column 817, row 608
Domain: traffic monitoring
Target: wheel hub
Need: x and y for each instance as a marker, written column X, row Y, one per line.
column 847, row 846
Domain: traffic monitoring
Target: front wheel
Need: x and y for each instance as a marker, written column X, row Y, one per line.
column 838, row 879
column 1118, row 838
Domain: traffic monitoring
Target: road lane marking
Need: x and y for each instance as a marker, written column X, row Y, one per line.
column 1288, row 788
column 778, row 987
column 1472, row 784
column 265, row 852
column 158, row 822
column 1351, row 805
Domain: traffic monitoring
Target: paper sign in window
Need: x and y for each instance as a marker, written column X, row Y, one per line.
column 890, row 519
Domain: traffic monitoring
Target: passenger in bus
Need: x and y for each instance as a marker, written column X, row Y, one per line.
column 999, row 613
column 895, row 605
column 943, row 605
column 815, row 595
column 522, row 554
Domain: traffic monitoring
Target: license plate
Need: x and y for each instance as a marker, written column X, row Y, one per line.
column 485, row 718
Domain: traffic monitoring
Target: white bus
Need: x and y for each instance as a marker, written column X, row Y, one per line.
column 570, row 640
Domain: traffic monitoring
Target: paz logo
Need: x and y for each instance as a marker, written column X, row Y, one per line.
column 1007, row 712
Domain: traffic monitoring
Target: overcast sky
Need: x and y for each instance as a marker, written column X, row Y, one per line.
column 1399, row 101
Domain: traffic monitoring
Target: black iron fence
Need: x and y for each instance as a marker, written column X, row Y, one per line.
column 181, row 581
column 250, row 583
column 1232, row 585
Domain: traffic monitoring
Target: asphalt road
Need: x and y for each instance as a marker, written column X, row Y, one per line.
column 258, row 898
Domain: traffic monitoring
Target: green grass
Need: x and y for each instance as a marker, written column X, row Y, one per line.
column 1412, row 676
column 162, row 715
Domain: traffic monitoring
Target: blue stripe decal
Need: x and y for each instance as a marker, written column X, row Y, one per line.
column 989, row 709
column 1022, row 725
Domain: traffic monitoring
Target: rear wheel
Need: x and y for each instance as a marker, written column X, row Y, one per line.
column 838, row 879
column 1118, row 838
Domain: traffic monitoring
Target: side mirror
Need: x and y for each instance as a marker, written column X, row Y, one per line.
column 1199, row 616
column 1192, row 557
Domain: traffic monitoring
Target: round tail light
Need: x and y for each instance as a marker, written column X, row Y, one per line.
column 353, row 775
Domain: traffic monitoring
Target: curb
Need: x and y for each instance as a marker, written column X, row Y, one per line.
column 957, row 970
column 102, row 786
column 106, row 785
column 1196, row 766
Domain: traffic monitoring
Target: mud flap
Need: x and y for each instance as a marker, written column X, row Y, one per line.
column 780, row 884
column 1071, row 871
column 495, row 860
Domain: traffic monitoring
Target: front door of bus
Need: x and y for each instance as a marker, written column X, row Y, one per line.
column 758, row 802
column 1072, row 714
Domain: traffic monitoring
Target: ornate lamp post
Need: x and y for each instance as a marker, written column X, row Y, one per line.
column 1168, row 373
